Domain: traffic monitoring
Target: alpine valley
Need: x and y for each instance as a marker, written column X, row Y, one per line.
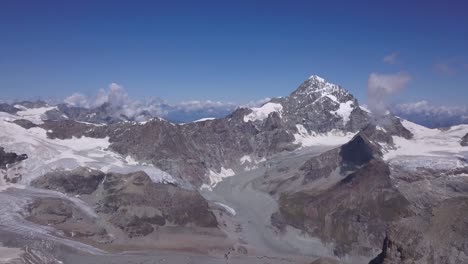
column 309, row 178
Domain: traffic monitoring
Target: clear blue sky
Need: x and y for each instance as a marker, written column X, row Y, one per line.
column 230, row 50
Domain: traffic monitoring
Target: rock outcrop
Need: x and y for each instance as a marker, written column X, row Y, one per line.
column 353, row 212
column 78, row 181
column 7, row 158
column 464, row 141
column 135, row 203
column 440, row 237
column 66, row 217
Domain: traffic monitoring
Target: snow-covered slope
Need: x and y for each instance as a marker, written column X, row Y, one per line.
column 429, row 142
column 45, row 154
column 430, row 148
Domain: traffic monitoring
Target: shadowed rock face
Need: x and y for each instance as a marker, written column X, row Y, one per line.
column 464, row 141
column 354, row 211
column 348, row 157
column 25, row 123
column 78, row 181
column 353, row 214
column 439, row 238
column 8, row 108
column 7, row 158
column 358, row 151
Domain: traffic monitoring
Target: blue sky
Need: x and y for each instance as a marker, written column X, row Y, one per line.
column 233, row 51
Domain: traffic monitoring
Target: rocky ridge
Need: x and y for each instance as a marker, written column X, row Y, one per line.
column 194, row 151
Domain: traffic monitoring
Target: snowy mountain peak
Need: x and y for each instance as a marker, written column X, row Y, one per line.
column 317, row 78
column 318, row 89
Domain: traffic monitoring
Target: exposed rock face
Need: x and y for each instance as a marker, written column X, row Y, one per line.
column 25, row 123
column 135, row 204
column 67, row 129
column 8, row 108
column 64, row 216
column 78, row 181
column 439, row 238
column 131, row 201
column 355, row 209
column 321, row 106
column 353, row 214
column 7, row 158
column 464, row 141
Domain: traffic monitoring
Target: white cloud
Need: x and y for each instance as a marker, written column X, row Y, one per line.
column 78, row 100
column 382, row 86
column 391, row 58
column 256, row 103
column 120, row 104
column 430, row 115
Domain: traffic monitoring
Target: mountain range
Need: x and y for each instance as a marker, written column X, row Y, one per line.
column 313, row 177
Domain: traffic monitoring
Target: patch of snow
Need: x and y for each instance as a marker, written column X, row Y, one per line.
column 130, row 160
column 204, row 119
column 249, row 168
column 365, row 108
column 245, row 159
column 228, row 209
column 217, row 177
column 206, row 187
column 332, row 97
column 34, row 115
column 345, row 110
column 414, row 163
column 332, row 138
column 380, row 128
column 318, row 78
column 261, row 113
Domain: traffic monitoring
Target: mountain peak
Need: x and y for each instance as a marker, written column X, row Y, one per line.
column 317, row 78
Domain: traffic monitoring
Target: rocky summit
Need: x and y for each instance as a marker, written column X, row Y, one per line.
column 312, row 177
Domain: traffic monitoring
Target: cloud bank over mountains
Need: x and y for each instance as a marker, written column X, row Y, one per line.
column 117, row 101
column 430, row 115
column 381, row 86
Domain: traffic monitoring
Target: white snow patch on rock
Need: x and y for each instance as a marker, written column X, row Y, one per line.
column 130, row 160
column 261, row 113
column 217, row 177
column 34, row 115
column 332, row 138
column 345, row 110
column 228, row 209
column 318, row 78
column 204, row 119
column 245, row 158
